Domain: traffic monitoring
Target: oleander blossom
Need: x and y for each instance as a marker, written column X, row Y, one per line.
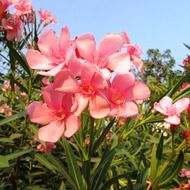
column 54, row 114
column 171, row 111
column 46, row 17
column 12, row 26
column 55, row 53
column 4, row 5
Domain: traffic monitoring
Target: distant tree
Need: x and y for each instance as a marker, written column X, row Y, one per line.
column 159, row 71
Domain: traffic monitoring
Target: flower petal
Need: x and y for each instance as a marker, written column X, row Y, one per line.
column 73, row 124
column 38, row 61
column 39, row 113
column 52, row 132
column 99, row 107
column 139, row 91
column 45, row 41
column 119, row 63
column 163, row 105
column 64, row 82
column 53, row 70
column 81, row 102
column 182, row 104
column 86, row 47
column 174, row 120
column 130, row 109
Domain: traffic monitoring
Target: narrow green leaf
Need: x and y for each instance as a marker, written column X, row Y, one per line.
column 17, row 154
column 12, row 118
column 102, row 169
column 160, row 148
column 169, row 174
column 4, row 163
column 178, row 85
column 62, row 187
column 112, row 181
column 153, row 164
column 43, row 160
column 102, row 136
column 182, row 94
column 74, row 170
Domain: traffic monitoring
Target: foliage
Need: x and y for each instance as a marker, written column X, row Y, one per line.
column 138, row 152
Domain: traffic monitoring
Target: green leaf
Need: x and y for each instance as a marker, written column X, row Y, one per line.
column 20, row 57
column 187, row 46
column 102, row 136
column 17, row 154
column 185, row 92
column 178, row 85
column 153, row 164
column 169, row 174
column 4, row 163
column 53, row 164
column 12, row 118
column 45, row 162
column 160, row 149
column 62, row 187
column 99, row 174
column 74, row 170
column 112, row 181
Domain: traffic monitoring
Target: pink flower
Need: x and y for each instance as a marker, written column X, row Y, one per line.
column 55, row 53
column 47, row 147
column 106, row 55
column 4, row 4
column 171, row 111
column 124, row 90
column 55, row 113
column 88, row 89
column 46, row 17
column 6, row 109
column 185, row 173
column 186, row 61
column 22, row 7
column 12, row 25
column 6, row 85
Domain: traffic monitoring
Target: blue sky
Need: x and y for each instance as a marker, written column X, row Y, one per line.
column 162, row 24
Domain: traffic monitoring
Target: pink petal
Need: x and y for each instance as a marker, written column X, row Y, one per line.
column 110, row 44
column 130, row 109
column 45, row 41
column 119, row 63
column 81, row 103
column 73, row 124
column 39, row 113
column 38, row 61
column 53, row 70
column 64, row 40
column 163, row 105
column 99, row 107
column 86, row 47
column 139, row 91
column 52, row 132
column 125, row 37
column 182, row 104
column 87, row 72
column 121, row 83
column 138, row 63
column 64, row 82
column 52, row 97
column 174, row 120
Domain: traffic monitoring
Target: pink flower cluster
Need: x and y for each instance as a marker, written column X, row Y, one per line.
column 6, row 109
column 85, row 76
column 185, row 173
column 12, row 23
column 171, row 111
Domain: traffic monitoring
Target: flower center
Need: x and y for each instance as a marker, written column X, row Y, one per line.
column 87, row 89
